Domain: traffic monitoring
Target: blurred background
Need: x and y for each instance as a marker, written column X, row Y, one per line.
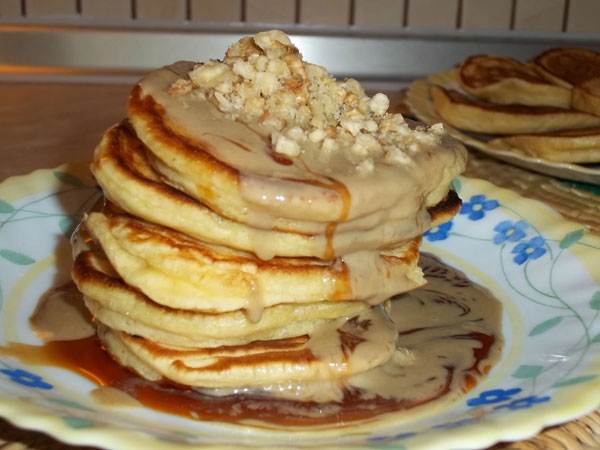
column 395, row 40
column 61, row 60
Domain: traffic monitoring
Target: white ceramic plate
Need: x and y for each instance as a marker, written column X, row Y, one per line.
column 419, row 101
column 545, row 271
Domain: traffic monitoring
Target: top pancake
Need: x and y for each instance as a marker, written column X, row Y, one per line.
column 240, row 172
column 576, row 68
column 568, row 67
column 506, row 81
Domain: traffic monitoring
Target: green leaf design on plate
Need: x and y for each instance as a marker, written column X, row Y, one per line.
column 67, row 225
column 16, row 258
column 595, row 301
column 596, row 339
column 528, row 371
column 77, row 422
column 169, row 439
column 576, row 380
column 545, row 326
column 457, row 185
column 571, row 238
column 6, row 207
column 67, row 178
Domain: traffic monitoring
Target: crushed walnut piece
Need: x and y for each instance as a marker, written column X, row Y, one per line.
column 263, row 82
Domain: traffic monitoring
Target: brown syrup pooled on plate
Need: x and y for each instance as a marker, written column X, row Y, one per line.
column 448, row 338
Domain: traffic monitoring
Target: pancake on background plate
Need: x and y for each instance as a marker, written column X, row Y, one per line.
column 506, row 81
column 548, row 108
column 260, row 216
column 568, row 67
column 480, row 116
column 581, row 146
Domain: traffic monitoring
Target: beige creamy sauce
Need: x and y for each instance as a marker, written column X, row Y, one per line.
column 61, row 315
column 322, row 197
column 370, row 277
column 113, row 397
column 448, row 337
column 309, row 189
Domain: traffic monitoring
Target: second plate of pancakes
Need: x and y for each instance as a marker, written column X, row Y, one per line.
column 418, row 99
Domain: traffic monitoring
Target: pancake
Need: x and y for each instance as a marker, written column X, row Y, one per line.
column 240, row 168
column 506, row 81
column 330, row 352
column 483, row 117
column 576, row 68
column 264, row 213
column 122, row 169
column 579, row 146
column 182, row 273
column 586, row 96
column 568, row 67
column 121, row 307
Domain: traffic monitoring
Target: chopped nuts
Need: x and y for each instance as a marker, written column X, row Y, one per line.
column 284, row 145
column 180, row 87
column 379, row 104
column 264, row 83
column 317, row 135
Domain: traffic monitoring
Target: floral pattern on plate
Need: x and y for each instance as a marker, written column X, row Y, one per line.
column 541, row 267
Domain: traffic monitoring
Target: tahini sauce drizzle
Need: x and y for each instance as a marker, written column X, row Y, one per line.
column 323, row 198
column 399, row 191
column 449, row 337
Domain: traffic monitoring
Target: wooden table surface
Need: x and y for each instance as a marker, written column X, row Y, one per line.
column 45, row 125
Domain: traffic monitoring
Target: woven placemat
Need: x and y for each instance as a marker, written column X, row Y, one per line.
column 574, row 203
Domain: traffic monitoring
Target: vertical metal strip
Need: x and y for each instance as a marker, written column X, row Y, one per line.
column 513, row 14
column 565, row 22
column 459, row 10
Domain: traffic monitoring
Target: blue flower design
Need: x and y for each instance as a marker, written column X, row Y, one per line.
column 493, row 396
column 509, row 231
column 532, row 249
column 438, row 233
column 525, row 402
column 26, row 378
column 477, row 206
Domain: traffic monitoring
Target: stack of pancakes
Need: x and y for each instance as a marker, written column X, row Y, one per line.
column 259, row 215
column 549, row 107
